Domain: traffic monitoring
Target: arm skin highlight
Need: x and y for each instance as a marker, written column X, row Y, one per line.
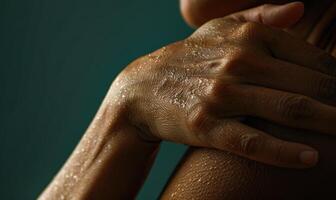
column 110, row 162
column 212, row 174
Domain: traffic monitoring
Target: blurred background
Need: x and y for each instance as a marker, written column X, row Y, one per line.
column 58, row 59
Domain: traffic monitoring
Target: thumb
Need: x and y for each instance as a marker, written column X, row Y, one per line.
column 279, row 16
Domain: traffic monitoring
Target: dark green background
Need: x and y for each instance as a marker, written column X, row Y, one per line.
column 58, row 58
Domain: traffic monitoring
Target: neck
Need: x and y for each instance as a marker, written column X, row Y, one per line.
column 318, row 25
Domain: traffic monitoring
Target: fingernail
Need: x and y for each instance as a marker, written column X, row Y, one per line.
column 309, row 157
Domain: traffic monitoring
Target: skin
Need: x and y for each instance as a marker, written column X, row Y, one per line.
column 200, row 91
column 210, row 174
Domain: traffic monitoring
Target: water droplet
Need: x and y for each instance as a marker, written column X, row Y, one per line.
column 173, row 194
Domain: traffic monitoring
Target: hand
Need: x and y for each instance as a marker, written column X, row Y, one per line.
column 196, row 91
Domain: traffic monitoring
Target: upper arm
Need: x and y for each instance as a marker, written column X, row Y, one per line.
column 211, row 174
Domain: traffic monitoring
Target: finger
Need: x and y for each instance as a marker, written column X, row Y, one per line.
column 285, row 108
column 278, row 74
column 280, row 16
column 286, row 47
column 253, row 144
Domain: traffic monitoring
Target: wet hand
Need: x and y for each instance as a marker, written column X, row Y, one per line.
column 196, row 91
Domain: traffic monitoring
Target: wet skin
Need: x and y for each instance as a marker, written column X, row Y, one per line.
column 211, row 174
column 195, row 92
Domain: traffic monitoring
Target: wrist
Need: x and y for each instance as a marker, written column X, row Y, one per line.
column 120, row 111
column 113, row 124
column 128, row 101
column 109, row 153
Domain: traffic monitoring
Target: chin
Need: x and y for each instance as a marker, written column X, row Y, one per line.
column 197, row 12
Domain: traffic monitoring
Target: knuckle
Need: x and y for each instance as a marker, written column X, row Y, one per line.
column 215, row 89
column 261, row 12
column 295, row 108
column 234, row 63
column 326, row 88
column 246, row 144
column 249, row 30
column 215, row 22
column 327, row 63
column 215, row 25
column 198, row 118
column 264, row 9
column 218, row 89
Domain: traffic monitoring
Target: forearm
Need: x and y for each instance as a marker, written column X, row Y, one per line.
column 110, row 161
